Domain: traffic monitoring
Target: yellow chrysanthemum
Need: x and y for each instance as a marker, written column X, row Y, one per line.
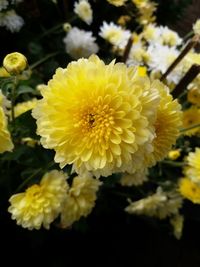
column 15, row 63
column 123, row 20
column 167, row 125
column 193, row 95
column 136, row 179
column 5, row 139
column 95, row 116
column 22, row 107
column 189, row 190
column 191, row 117
column 192, row 170
column 41, row 203
column 80, row 200
column 117, row 2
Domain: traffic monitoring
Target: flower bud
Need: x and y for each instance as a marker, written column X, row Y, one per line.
column 15, row 63
column 67, row 27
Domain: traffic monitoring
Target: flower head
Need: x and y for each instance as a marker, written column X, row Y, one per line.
column 117, row 2
column 41, row 203
column 192, row 170
column 80, row 200
column 3, row 4
column 11, row 21
column 15, row 63
column 196, row 27
column 96, row 116
column 190, row 190
column 136, row 179
column 83, row 10
column 80, row 43
column 191, row 117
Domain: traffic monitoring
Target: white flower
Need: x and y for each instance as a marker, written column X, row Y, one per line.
column 80, row 43
column 161, row 57
column 3, row 4
column 196, row 27
column 84, row 11
column 114, row 34
column 138, row 55
column 11, row 21
column 169, row 37
column 160, row 204
column 151, row 33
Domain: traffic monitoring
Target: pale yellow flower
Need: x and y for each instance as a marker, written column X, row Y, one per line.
column 41, row 203
column 190, row 190
column 191, row 117
column 95, row 116
column 80, row 200
column 5, row 138
column 84, row 11
column 160, row 204
column 167, row 125
column 117, row 2
column 192, row 170
column 136, row 179
column 22, row 107
column 177, row 223
column 196, row 27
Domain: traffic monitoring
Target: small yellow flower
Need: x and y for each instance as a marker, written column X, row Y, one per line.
column 80, row 200
column 196, row 27
column 3, row 73
column 174, row 154
column 192, row 170
column 15, row 63
column 41, row 203
column 191, row 117
column 136, row 179
column 189, row 190
column 193, row 95
column 117, row 2
column 22, row 107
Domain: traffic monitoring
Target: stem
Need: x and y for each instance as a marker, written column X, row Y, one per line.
column 36, row 64
column 188, row 35
column 174, row 163
column 13, row 97
column 190, row 128
column 187, row 79
column 193, row 42
column 27, row 180
column 50, row 31
column 127, row 49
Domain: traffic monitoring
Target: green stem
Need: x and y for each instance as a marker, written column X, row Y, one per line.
column 39, row 62
column 174, row 163
column 13, row 98
column 27, row 180
column 188, row 35
column 53, row 29
column 190, row 128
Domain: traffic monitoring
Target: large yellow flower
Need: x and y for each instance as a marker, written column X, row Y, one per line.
column 5, row 139
column 189, row 190
column 167, row 125
column 192, row 171
column 41, row 203
column 80, row 200
column 95, row 116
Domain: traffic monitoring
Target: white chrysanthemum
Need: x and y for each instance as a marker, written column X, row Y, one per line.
column 80, row 43
column 161, row 57
column 138, row 55
column 196, row 27
column 151, row 33
column 3, row 4
column 138, row 178
column 11, row 21
column 114, row 34
column 84, row 11
column 160, row 204
column 169, row 37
